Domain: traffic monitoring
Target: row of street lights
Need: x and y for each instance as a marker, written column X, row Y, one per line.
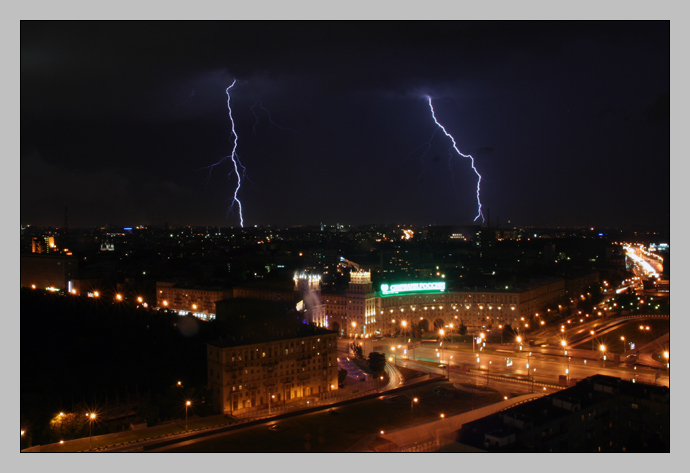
column 91, row 416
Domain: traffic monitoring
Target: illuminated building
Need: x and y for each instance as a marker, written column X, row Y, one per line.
column 429, row 303
column 362, row 310
column 284, row 365
column 361, row 303
column 44, row 244
column 200, row 302
column 309, row 286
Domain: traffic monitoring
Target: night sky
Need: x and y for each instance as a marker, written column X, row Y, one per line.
column 565, row 121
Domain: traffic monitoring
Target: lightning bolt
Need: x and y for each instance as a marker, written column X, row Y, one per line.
column 235, row 161
column 270, row 119
column 455, row 147
column 186, row 100
column 426, row 145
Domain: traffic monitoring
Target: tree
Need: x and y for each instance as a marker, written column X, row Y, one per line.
column 418, row 330
column 377, row 362
column 462, row 330
column 66, row 426
column 357, row 351
column 342, row 374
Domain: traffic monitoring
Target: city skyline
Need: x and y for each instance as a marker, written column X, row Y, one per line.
column 332, row 122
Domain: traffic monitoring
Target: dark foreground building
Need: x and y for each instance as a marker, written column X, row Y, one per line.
column 598, row 414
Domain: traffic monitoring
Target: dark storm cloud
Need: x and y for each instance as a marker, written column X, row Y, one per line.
column 532, row 101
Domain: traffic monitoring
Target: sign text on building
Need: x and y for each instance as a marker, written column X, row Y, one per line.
column 393, row 289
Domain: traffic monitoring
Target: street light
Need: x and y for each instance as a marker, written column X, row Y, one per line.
column 412, row 403
column 666, row 355
column 91, row 417
column 442, row 333
column 186, row 405
column 354, row 324
column 603, row 353
column 61, row 415
column 481, row 336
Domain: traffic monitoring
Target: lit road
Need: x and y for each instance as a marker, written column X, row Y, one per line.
column 545, row 364
column 355, row 372
column 647, row 264
column 542, row 367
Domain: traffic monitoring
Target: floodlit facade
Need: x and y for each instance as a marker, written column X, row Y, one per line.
column 396, row 308
column 200, row 302
column 309, row 289
column 244, row 376
column 364, row 310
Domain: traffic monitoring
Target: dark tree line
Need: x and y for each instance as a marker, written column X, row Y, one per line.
column 77, row 352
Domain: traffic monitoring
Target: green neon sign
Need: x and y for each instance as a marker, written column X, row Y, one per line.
column 394, row 289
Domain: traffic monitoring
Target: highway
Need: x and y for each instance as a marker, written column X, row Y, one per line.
column 545, row 364
column 543, row 368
